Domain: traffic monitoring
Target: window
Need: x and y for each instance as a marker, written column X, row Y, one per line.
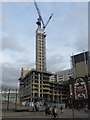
column 36, row 94
column 80, row 57
column 36, row 77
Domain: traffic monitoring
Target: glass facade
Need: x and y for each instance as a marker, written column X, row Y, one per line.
column 80, row 57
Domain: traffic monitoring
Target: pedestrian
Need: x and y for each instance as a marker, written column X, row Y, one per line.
column 36, row 107
column 79, row 107
column 47, row 110
column 61, row 108
column 54, row 112
column 86, row 108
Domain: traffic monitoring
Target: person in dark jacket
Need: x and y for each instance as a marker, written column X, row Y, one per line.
column 47, row 111
column 54, row 112
column 61, row 108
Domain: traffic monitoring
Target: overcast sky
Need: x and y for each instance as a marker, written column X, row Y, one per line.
column 67, row 34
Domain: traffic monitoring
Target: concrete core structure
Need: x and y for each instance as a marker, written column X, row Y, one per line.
column 40, row 50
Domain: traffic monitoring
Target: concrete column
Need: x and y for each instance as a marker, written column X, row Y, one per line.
column 39, row 85
column 53, row 94
column 32, row 97
column 42, row 84
column 33, row 75
column 58, row 97
column 86, row 67
column 61, row 97
column 47, row 97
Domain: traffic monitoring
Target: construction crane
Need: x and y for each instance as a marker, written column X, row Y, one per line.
column 48, row 21
column 40, row 20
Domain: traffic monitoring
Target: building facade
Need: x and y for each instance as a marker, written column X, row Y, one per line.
column 40, row 50
column 52, row 78
column 80, row 64
column 36, row 86
column 24, row 70
column 61, row 76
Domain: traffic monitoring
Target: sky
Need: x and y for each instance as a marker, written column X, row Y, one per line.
column 67, row 34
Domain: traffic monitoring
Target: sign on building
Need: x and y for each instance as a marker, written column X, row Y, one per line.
column 80, row 89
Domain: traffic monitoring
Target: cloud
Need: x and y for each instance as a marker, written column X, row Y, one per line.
column 73, row 27
column 82, row 40
column 81, row 37
column 45, row 0
column 9, row 43
column 56, row 63
column 18, row 58
column 10, row 75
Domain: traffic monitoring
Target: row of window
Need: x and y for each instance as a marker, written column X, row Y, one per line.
column 61, row 93
column 40, row 40
column 40, row 44
column 41, row 58
column 80, row 57
column 40, row 52
column 40, row 36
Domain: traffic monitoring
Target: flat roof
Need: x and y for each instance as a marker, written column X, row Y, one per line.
column 35, row 70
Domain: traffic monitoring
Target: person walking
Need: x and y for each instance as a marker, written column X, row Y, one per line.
column 61, row 108
column 54, row 112
column 47, row 111
column 36, row 107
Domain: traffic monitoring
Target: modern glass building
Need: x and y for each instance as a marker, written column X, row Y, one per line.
column 80, row 64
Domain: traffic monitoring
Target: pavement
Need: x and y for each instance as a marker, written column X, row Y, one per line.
column 67, row 113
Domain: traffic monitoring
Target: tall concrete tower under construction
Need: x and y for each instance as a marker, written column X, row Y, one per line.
column 40, row 50
column 41, row 41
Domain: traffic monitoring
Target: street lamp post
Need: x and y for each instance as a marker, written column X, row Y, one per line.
column 72, row 104
column 72, row 94
column 8, row 99
column 16, row 100
column 61, row 97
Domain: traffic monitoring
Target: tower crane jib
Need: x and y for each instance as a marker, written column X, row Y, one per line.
column 40, row 20
column 48, row 21
column 39, row 14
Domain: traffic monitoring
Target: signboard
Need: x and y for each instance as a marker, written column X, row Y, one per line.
column 80, row 89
